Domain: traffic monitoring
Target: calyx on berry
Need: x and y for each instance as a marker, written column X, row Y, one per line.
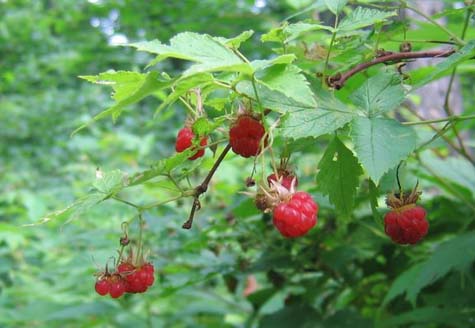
column 406, row 222
column 245, row 135
column 284, row 175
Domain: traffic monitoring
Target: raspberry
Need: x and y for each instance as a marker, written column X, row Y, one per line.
column 245, row 136
column 295, row 217
column 285, row 178
column 117, row 286
column 102, row 286
column 137, row 279
column 184, row 140
column 406, row 225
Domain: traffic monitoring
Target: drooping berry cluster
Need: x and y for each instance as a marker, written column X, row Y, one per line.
column 245, row 136
column 406, row 222
column 127, row 279
column 184, row 140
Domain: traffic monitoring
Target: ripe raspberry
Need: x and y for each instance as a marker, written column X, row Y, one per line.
column 295, row 217
column 285, row 177
column 245, row 136
column 117, row 286
column 137, row 279
column 102, row 286
column 406, row 225
column 184, row 140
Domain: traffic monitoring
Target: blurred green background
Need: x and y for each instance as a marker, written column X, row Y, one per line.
column 338, row 276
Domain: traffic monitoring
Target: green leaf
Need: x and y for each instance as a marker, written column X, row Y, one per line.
column 362, row 17
column 237, row 40
column 379, row 94
column 381, row 144
column 260, row 64
column 335, row 6
column 297, row 315
column 129, row 88
column 436, row 315
column 288, row 32
column 328, row 116
column 110, row 182
column 210, row 54
column 465, row 53
column 288, row 80
column 338, row 176
column 445, row 258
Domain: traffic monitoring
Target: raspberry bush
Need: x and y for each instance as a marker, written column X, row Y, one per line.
column 272, row 191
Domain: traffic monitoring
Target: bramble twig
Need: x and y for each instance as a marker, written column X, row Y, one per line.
column 338, row 80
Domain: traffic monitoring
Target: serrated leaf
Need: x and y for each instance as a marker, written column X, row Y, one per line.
column 271, row 99
column 110, row 182
column 465, row 53
column 381, row 144
column 129, row 88
column 338, row 176
column 328, row 116
column 209, row 54
column 335, row 6
column 288, row 80
column 237, row 40
column 362, row 17
column 379, row 94
column 402, row 283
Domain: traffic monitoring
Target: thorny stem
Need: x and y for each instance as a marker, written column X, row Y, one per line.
column 332, row 41
column 338, row 80
column 203, row 187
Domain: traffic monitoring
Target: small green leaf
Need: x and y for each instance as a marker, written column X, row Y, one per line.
column 201, row 127
column 335, row 6
column 260, row 64
column 362, row 17
column 328, row 116
column 465, row 53
column 237, row 40
column 129, row 88
column 288, row 80
column 381, row 144
column 288, row 32
column 110, row 182
column 338, row 176
column 379, row 94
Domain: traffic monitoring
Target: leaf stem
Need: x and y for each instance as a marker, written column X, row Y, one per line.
column 332, row 41
column 452, row 118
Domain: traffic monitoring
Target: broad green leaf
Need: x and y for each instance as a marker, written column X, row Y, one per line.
column 362, row 17
column 288, row 80
column 209, row 54
column 271, row 99
column 338, row 176
column 328, row 116
column 110, row 182
column 335, row 6
column 465, row 53
column 379, row 94
column 457, row 253
column 381, row 144
column 129, row 88
column 435, row 315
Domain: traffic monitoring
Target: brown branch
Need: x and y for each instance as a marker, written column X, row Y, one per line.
column 338, row 80
column 200, row 189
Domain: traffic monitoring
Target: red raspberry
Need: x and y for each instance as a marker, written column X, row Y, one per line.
column 245, row 136
column 184, row 140
column 117, row 286
column 286, row 179
column 102, row 286
column 297, row 216
column 406, row 225
column 137, row 279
